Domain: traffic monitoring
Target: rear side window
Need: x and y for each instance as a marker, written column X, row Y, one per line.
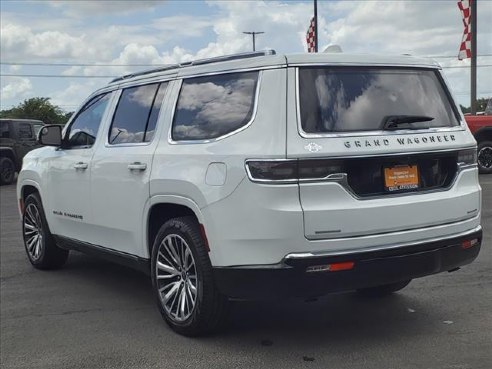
column 136, row 115
column 4, row 130
column 213, row 106
column 363, row 99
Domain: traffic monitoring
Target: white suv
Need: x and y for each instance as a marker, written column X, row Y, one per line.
column 259, row 176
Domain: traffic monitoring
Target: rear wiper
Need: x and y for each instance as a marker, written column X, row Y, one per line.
column 392, row 122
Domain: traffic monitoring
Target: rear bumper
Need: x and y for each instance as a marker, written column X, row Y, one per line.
column 371, row 268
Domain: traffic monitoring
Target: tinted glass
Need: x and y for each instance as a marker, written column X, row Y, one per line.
column 37, row 128
column 154, row 115
column 4, row 130
column 132, row 114
column 24, row 131
column 84, row 128
column 212, row 106
column 356, row 99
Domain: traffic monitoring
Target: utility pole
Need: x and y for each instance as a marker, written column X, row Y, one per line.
column 253, row 33
column 473, row 50
column 316, row 26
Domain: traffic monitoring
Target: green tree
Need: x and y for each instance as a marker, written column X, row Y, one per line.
column 481, row 105
column 37, row 108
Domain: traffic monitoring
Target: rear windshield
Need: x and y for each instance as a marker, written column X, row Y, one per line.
column 362, row 99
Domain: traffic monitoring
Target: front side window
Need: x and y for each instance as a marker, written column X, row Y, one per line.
column 24, row 131
column 37, row 128
column 212, row 106
column 136, row 115
column 363, row 99
column 83, row 130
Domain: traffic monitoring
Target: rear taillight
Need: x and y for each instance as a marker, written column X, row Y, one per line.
column 292, row 171
column 467, row 157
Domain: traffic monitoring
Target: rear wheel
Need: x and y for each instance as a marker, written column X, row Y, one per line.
column 42, row 251
column 485, row 157
column 7, row 171
column 384, row 290
column 183, row 281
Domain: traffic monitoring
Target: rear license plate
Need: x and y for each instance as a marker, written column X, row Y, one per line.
column 401, row 178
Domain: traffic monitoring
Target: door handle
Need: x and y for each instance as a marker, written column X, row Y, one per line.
column 137, row 166
column 81, row 165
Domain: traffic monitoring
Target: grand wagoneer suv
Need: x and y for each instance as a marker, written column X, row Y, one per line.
column 259, row 176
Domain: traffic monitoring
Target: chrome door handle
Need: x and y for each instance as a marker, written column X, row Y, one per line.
column 81, row 165
column 137, row 166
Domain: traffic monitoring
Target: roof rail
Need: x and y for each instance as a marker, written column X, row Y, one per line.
column 216, row 59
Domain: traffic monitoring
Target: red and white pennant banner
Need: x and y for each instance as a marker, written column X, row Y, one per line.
column 310, row 37
column 465, row 47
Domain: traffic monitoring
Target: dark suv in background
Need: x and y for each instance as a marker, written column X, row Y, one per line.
column 17, row 138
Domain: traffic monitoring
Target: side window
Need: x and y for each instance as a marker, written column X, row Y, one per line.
column 4, row 130
column 212, row 106
column 136, row 115
column 83, row 130
column 37, row 128
column 24, row 131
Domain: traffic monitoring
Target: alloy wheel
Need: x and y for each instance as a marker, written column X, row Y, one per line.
column 485, row 157
column 33, row 231
column 176, row 278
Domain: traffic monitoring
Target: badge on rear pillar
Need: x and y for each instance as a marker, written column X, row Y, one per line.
column 313, row 147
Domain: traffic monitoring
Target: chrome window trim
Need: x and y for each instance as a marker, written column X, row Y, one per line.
column 118, row 96
column 310, row 255
column 240, row 129
column 303, row 134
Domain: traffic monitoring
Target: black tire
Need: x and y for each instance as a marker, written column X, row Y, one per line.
column 485, row 157
column 7, row 171
column 384, row 290
column 209, row 308
column 44, row 254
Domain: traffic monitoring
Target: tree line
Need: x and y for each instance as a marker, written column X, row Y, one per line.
column 39, row 108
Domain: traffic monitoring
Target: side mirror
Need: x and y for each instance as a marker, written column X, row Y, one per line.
column 50, row 135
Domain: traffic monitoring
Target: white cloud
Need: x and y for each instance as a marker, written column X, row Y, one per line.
column 17, row 87
column 93, row 8
column 21, row 42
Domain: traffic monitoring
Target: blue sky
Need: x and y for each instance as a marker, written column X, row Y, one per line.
column 121, row 34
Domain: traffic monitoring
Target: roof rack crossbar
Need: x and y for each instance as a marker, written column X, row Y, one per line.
column 216, row 59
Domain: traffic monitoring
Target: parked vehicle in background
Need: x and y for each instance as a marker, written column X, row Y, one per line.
column 260, row 176
column 17, row 138
column 481, row 127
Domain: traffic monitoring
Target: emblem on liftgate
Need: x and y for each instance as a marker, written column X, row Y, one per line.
column 313, row 147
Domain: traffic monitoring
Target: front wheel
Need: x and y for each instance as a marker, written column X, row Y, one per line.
column 384, row 290
column 182, row 279
column 485, row 157
column 42, row 251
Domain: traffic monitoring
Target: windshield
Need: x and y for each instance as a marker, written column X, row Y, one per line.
column 341, row 99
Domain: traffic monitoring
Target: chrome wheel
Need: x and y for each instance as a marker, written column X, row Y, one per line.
column 33, row 231
column 176, row 278
column 485, row 157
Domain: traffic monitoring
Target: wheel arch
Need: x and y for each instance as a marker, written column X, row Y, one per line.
column 165, row 207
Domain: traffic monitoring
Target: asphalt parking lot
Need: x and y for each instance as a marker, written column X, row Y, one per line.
column 93, row 314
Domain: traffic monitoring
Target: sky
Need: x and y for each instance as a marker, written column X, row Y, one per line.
column 80, row 45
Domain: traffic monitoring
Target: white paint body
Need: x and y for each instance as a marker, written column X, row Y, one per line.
column 246, row 223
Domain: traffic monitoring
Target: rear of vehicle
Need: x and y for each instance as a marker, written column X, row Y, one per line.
column 481, row 128
column 17, row 138
column 378, row 184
